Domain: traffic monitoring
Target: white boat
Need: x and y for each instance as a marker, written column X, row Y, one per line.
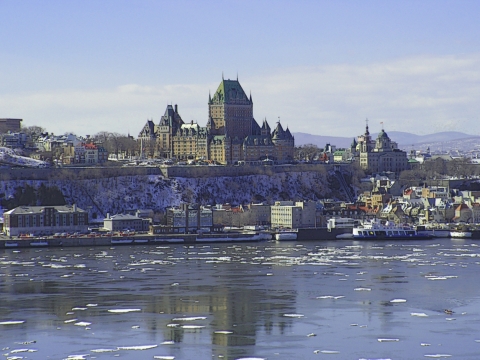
column 286, row 235
column 375, row 230
column 460, row 234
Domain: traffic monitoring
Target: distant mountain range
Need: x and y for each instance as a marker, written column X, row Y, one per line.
column 450, row 139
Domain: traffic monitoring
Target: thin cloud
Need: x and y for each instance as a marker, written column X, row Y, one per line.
column 422, row 95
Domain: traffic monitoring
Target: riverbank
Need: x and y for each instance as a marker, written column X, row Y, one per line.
column 151, row 239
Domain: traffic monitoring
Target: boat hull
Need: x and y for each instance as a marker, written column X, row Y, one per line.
column 460, row 234
column 285, row 236
column 393, row 237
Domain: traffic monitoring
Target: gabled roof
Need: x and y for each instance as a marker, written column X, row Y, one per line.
column 119, row 217
column 230, row 92
column 40, row 209
column 171, row 117
column 256, row 128
column 278, row 133
column 148, row 129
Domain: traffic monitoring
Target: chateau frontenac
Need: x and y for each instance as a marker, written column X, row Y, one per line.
column 231, row 134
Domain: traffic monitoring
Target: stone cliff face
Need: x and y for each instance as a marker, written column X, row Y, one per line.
column 117, row 194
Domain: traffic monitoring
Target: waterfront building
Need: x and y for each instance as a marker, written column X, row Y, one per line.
column 121, row 222
column 45, row 220
column 188, row 218
column 293, row 215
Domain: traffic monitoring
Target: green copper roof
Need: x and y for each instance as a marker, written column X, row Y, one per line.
column 230, row 91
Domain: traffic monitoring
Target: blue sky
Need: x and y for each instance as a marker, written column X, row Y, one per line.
column 321, row 66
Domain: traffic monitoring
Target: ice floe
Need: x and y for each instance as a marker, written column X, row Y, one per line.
column 330, row 297
column 16, row 351
column 362, row 289
column 193, row 318
column 192, row 327
column 294, row 315
column 103, row 350
column 419, row 314
column 398, row 301
column 13, row 322
column 123, row 311
column 164, row 357
column 388, row 340
column 438, row 356
column 138, row 347
column 82, row 323
column 223, row 332
column 329, row 352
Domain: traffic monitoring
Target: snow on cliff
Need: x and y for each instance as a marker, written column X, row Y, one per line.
column 117, row 194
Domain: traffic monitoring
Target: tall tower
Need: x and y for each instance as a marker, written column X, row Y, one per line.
column 230, row 111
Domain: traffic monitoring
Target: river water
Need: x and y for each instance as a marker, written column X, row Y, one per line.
column 290, row 300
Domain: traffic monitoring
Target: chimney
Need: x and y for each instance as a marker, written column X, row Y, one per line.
column 176, row 108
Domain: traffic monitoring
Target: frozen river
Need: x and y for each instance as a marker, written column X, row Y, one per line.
column 310, row 300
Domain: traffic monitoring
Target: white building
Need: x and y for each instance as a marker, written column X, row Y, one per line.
column 293, row 215
column 122, row 222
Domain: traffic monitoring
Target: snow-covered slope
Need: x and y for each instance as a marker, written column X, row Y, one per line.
column 9, row 157
column 117, row 194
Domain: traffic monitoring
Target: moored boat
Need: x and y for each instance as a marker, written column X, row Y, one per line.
column 436, row 231
column 375, row 230
column 460, row 234
column 286, row 235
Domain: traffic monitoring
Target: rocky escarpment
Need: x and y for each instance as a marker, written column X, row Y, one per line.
column 100, row 196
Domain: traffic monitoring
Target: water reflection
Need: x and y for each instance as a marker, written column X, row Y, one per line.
column 231, row 300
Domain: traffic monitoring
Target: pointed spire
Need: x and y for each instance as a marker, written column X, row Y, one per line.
column 237, row 75
column 250, row 95
column 222, row 76
column 209, row 97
